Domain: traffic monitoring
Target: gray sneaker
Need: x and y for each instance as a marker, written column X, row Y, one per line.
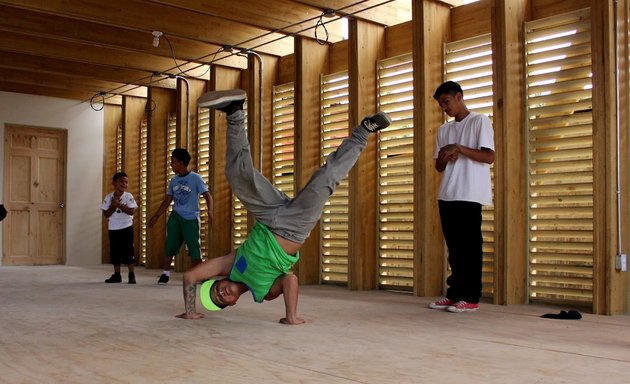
column 376, row 122
column 227, row 101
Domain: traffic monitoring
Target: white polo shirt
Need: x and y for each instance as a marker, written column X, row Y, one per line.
column 119, row 219
column 465, row 179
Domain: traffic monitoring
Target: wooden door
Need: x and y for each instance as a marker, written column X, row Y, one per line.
column 34, row 196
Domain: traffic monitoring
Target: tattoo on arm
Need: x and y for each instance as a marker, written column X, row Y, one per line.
column 190, row 293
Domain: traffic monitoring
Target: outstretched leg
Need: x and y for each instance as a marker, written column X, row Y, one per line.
column 258, row 195
column 295, row 220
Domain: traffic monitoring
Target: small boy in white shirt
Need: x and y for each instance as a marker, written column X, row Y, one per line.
column 118, row 207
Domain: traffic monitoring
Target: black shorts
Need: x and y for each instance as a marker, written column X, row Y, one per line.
column 121, row 246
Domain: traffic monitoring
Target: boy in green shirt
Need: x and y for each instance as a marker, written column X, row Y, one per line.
column 261, row 264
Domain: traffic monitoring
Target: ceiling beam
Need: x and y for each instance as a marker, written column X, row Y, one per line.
column 270, row 15
column 173, row 22
column 40, row 90
column 42, row 24
column 19, row 61
column 377, row 11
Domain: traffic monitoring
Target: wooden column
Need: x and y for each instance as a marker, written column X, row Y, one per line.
column 133, row 114
column 311, row 61
column 510, row 199
column 366, row 46
column 163, row 102
column 112, row 120
column 430, row 31
column 221, row 78
column 609, row 284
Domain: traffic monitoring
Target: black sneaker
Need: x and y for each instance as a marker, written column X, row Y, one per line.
column 376, row 122
column 132, row 278
column 115, row 278
column 163, row 279
column 228, row 101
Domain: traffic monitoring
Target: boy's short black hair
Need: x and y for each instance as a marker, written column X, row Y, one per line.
column 118, row 175
column 448, row 88
column 182, row 155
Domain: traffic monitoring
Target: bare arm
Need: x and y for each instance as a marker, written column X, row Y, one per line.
column 287, row 285
column 210, row 206
column 219, row 266
column 161, row 210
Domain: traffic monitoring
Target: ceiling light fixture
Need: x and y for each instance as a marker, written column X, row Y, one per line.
column 156, row 38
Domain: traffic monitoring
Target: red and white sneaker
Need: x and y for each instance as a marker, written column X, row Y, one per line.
column 463, row 306
column 442, row 303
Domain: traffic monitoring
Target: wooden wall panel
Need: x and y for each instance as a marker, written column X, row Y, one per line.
column 164, row 100
column 338, row 57
column 510, row 277
column 133, row 114
column 286, row 69
column 399, row 39
column 470, row 20
column 312, row 61
column 366, row 46
column 429, row 264
column 112, row 119
column 545, row 8
column 220, row 244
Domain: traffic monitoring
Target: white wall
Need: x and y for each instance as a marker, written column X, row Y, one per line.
column 84, row 168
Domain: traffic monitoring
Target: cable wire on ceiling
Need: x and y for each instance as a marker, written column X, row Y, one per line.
column 222, row 49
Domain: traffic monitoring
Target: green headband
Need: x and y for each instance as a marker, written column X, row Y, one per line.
column 205, row 296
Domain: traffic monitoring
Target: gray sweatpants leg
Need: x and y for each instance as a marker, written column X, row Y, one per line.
column 292, row 219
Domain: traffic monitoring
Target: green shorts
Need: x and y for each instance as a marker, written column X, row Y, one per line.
column 179, row 230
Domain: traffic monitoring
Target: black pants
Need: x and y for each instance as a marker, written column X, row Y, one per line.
column 461, row 226
column 121, row 246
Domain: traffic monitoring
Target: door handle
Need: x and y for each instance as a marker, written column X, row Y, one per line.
column 62, row 205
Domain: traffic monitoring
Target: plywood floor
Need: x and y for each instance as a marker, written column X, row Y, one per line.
column 62, row 324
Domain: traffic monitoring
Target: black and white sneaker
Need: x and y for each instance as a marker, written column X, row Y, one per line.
column 163, row 279
column 132, row 278
column 227, row 101
column 376, row 122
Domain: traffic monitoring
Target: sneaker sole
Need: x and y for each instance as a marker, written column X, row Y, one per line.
column 382, row 120
column 456, row 310
column 220, row 99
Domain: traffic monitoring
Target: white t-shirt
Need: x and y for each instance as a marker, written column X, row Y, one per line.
column 119, row 219
column 465, row 179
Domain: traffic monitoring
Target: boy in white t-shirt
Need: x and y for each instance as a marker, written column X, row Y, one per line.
column 464, row 150
column 118, row 207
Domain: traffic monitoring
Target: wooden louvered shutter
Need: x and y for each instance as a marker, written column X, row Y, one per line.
column 395, row 175
column 282, row 138
column 142, row 201
column 203, row 168
column 560, row 139
column 334, row 220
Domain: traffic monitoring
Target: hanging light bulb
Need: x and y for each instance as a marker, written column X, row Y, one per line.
column 156, row 38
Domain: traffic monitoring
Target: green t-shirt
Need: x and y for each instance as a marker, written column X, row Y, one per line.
column 260, row 261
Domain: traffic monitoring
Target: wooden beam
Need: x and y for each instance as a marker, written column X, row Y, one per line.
column 28, row 62
column 510, row 209
column 311, row 62
column 70, row 83
column 8, row 86
column 431, row 26
column 141, row 15
column 271, row 15
column 609, row 284
column 375, row 11
column 91, row 54
column 367, row 45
